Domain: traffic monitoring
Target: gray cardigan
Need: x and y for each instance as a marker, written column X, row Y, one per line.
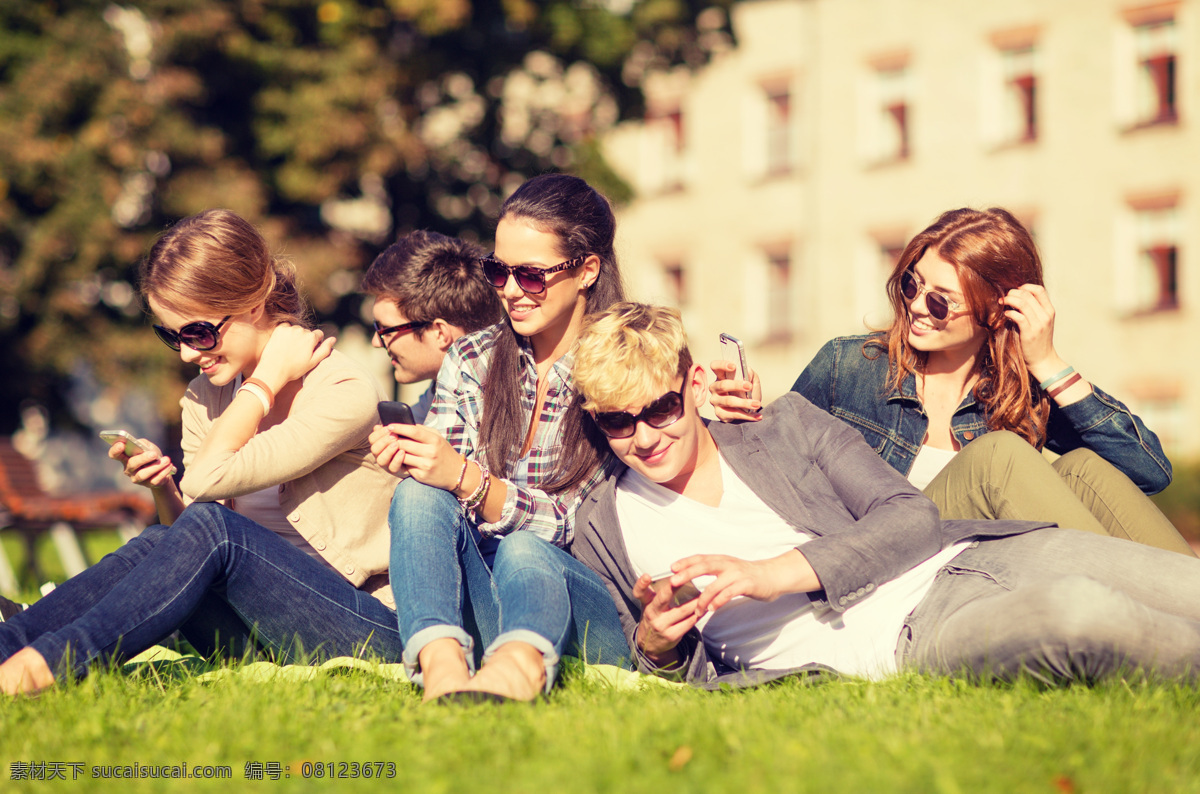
column 867, row 523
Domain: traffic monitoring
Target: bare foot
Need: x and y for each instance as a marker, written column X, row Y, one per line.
column 25, row 672
column 443, row 667
column 515, row 670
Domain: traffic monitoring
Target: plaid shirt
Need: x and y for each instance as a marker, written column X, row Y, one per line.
column 455, row 414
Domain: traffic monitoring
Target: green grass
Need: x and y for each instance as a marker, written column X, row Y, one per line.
column 910, row 733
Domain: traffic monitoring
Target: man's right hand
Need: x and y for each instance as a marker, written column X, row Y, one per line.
column 727, row 396
column 662, row 626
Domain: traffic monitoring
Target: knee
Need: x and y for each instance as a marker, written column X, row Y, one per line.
column 1000, row 446
column 202, row 518
column 1081, row 462
column 1080, row 612
column 414, row 501
column 523, row 550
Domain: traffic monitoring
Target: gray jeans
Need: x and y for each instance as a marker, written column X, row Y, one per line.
column 1061, row 605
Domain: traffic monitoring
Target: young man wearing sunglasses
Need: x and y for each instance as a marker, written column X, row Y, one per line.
column 429, row 290
column 812, row 554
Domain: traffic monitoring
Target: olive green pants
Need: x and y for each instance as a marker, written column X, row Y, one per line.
column 1001, row 476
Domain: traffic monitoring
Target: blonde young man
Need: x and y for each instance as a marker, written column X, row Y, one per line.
column 812, row 554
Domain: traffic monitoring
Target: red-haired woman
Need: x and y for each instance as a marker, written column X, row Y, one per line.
column 965, row 388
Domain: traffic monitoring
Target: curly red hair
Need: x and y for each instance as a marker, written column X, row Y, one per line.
column 992, row 253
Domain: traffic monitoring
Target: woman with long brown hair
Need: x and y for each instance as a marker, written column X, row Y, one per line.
column 276, row 536
column 966, row 387
column 502, row 463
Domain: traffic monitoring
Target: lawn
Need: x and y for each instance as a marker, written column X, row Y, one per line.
column 289, row 728
column 910, row 733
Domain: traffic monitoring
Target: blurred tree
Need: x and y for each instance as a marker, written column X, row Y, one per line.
column 333, row 125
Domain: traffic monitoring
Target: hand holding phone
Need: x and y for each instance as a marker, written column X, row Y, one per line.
column 132, row 447
column 733, row 350
column 395, row 413
column 684, row 593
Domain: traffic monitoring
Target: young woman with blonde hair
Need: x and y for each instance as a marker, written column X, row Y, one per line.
column 966, row 387
column 277, row 531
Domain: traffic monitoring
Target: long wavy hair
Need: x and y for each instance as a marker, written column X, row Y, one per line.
column 992, row 253
column 217, row 261
column 583, row 221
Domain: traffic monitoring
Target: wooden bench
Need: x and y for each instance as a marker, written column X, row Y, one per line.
column 28, row 509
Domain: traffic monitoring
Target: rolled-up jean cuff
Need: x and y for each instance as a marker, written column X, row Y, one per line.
column 417, row 642
column 549, row 655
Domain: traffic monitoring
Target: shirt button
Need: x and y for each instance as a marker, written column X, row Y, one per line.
column 968, row 435
column 294, row 517
column 349, row 569
column 320, row 545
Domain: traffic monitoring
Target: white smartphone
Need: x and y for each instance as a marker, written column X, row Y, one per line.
column 132, row 447
column 684, row 593
column 733, row 350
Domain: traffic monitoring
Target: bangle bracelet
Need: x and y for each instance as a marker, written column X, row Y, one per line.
column 461, row 474
column 270, row 395
column 257, row 391
column 1071, row 381
column 1055, row 378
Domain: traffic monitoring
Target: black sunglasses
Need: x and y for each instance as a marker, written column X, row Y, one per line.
column 660, row 413
column 529, row 279
column 199, row 335
column 399, row 329
column 939, row 303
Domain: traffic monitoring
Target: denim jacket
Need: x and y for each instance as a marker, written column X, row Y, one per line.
column 853, row 387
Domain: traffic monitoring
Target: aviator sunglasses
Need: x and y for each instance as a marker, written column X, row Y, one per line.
column 199, row 335
column 398, row 329
column 939, row 304
column 663, row 412
column 529, row 279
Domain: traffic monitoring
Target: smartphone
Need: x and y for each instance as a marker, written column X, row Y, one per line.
column 733, row 350
column 394, row 413
column 132, row 447
column 683, row 594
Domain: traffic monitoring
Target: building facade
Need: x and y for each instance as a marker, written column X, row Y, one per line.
column 777, row 185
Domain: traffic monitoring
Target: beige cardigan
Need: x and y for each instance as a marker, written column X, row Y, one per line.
column 330, row 487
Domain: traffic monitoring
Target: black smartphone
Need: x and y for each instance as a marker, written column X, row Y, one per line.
column 394, row 413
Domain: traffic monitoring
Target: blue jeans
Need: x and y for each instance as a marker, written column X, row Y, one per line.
column 211, row 571
column 1061, row 605
column 450, row 582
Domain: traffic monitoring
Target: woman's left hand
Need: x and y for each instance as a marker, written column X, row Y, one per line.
column 426, row 456
column 1029, row 307
column 291, row 353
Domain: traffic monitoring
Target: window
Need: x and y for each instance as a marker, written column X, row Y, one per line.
column 1146, row 73
column 1156, row 72
column 1148, row 280
column 675, row 283
column 779, row 131
column 888, row 112
column 667, row 142
column 779, row 295
column 1020, row 94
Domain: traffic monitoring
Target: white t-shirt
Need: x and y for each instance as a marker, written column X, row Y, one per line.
column 262, row 507
column 928, row 464
column 661, row 527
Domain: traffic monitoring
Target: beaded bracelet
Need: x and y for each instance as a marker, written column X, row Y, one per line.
column 1055, row 378
column 480, row 493
column 461, row 474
